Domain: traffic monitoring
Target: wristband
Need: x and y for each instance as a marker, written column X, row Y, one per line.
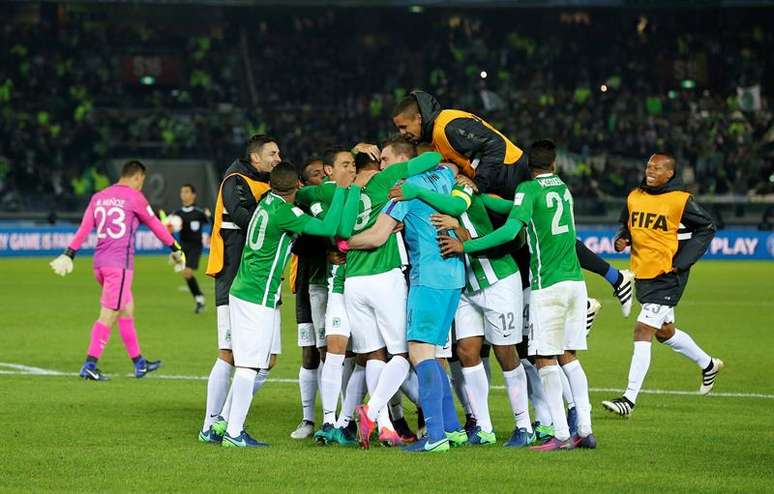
column 69, row 253
column 342, row 245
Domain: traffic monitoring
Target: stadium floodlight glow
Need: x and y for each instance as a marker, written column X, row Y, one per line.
column 603, row 88
column 147, row 80
column 672, row 94
column 416, row 9
column 688, row 84
column 484, row 74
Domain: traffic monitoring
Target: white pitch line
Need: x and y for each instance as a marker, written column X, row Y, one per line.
column 24, row 370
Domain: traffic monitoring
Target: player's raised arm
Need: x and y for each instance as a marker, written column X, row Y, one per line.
column 453, row 204
column 349, row 213
column 63, row 264
column 496, row 204
column 420, row 164
column 145, row 213
column 375, row 236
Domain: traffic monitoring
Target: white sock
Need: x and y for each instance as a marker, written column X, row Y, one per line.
column 307, row 383
column 536, row 394
column 638, row 369
column 410, row 387
column 227, row 404
column 244, row 381
column 396, row 406
column 217, row 389
column 346, row 370
column 683, row 344
column 260, row 380
column 374, row 370
column 552, row 385
column 330, row 386
column 487, row 369
column 458, row 383
column 390, row 379
column 579, row 384
column 356, row 390
column 477, row 390
column 516, row 387
column 566, row 391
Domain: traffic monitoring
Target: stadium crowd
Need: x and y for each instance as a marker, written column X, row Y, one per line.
column 68, row 104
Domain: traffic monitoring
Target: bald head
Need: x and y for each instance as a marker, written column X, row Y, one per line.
column 659, row 170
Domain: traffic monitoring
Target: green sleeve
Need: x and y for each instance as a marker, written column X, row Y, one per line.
column 523, row 201
column 496, row 204
column 349, row 216
column 309, row 194
column 453, row 205
column 504, row 234
column 422, row 163
column 327, row 227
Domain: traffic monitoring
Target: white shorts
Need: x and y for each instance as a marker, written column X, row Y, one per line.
column 336, row 320
column 318, row 299
column 446, row 350
column 493, row 312
column 655, row 315
column 255, row 333
column 224, row 328
column 376, row 306
column 557, row 317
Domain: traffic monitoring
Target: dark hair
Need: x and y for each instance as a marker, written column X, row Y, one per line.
column 364, row 160
column 132, row 168
column 670, row 159
column 401, row 145
column 284, row 178
column 542, row 154
column 190, row 186
column 256, row 143
column 408, row 104
column 329, row 155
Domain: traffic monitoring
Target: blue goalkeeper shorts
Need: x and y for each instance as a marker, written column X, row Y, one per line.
column 430, row 313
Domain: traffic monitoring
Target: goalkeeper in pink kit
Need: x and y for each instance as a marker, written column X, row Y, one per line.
column 117, row 213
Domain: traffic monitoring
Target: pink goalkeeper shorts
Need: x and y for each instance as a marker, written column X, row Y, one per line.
column 116, row 286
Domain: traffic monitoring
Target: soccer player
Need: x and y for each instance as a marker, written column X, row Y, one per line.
column 117, row 213
column 254, row 295
column 310, row 308
column 652, row 220
column 497, row 165
column 435, row 286
column 543, row 206
column 193, row 219
column 490, row 309
column 243, row 185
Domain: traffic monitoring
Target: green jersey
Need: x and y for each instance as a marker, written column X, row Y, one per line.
column 544, row 205
column 373, row 198
column 482, row 270
column 333, row 274
column 270, row 235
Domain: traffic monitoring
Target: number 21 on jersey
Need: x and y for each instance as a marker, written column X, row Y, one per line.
column 553, row 200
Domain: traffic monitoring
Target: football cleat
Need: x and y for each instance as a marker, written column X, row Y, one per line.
column 520, row 438
column 90, row 372
column 542, row 432
column 220, row 426
column 587, row 442
column 403, row 430
column 457, row 438
column 625, row 291
column 343, row 436
column 470, row 424
column 389, row 438
column 211, row 436
column 305, row 429
column 592, row 310
column 553, row 444
column 621, row 406
column 424, row 445
column 482, row 438
column 199, row 306
column 323, row 436
column 243, row 440
column 708, row 376
column 142, row 367
column 572, row 420
column 365, row 426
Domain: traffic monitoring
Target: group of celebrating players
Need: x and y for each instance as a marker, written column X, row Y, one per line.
column 427, row 253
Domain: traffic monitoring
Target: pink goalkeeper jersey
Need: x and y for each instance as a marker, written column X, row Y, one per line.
column 117, row 213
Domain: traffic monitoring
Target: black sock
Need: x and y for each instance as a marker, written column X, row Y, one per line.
column 137, row 359
column 591, row 261
column 193, row 285
column 93, row 360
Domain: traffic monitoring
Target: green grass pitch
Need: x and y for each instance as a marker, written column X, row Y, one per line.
column 127, row 435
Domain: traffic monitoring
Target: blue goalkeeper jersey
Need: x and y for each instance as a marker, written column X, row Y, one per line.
column 428, row 267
